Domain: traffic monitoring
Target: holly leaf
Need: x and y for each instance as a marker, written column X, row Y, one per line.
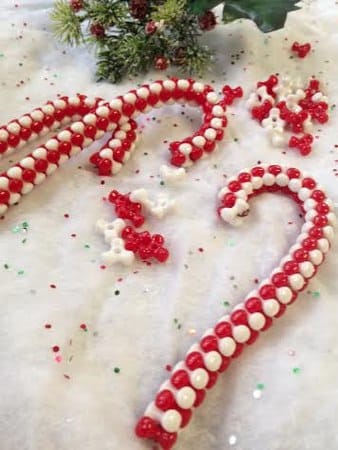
column 268, row 15
column 198, row 7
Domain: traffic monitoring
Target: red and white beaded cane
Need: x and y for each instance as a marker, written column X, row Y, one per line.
column 88, row 120
column 177, row 397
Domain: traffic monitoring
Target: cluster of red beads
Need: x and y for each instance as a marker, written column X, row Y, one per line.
column 317, row 110
column 186, row 389
column 127, row 209
column 230, row 94
column 303, row 144
column 145, row 245
column 301, row 49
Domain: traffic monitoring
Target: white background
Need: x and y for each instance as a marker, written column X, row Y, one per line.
column 136, row 331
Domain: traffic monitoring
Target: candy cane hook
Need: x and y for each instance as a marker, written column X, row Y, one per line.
column 91, row 119
column 173, row 405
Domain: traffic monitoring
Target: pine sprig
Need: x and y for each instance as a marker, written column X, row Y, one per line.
column 66, row 24
column 107, row 12
column 169, row 11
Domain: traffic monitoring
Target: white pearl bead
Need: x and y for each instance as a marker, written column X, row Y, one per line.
column 199, row 378
column 328, row 232
column 330, row 216
column 185, row 149
column 199, row 141
column 90, row 119
column 306, row 269
column 27, row 187
column 215, row 122
column 323, row 245
column 248, row 188
column 284, row 294
column 130, row 98
column 102, row 111
column 198, row 87
column 210, row 134
column 295, row 184
column 316, row 257
column 77, row 127
column 296, row 281
column 212, row 98
column 64, row 135
column 92, row 102
column 114, row 143
column 14, row 198
column 40, row 153
column 48, row 109
column 37, row 115
column 27, row 163
column 256, row 321
column 14, row 172
column 120, row 135
column 3, row 182
column 218, row 111
column 268, row 179
column 212, row 361
column 143, row 92
column 169, row 85
column 171, row 421
column 3, row 135
column 116, row 103
column 309, row 204
column 25, row 121
column 51, row 168
column 155, row 88
column 304, row 194
column 185, row 397
column 282, row 179
column 14, row 128
column 257, row 182
column 52, row 144
column 241, row 333
column 63, row 159
column 74, row 101
column 270, row 307
column 116, row 167
column 183, row 84
column 106, row 153
column 40, row 177
column 3, row 209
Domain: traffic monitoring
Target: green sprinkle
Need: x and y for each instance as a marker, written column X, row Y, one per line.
column 179, row 326
column 87, row 246
column 296, row 370
column 235, row 139
column 21, row 272
column 117, row 370
column 231, row 243
column 2, row 55
column 6, row 266
column 162, row 183
column 315, row 294
column 24, row 241
column 260, row 386
column 117, row 292
column 175, row 320
column 16, row 229
column 25, row 225
column 332, row 107
column 226, row 304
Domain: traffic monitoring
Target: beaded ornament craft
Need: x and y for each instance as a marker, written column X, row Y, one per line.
column 177, row 397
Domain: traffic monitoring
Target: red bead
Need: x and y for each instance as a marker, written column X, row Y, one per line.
column 4, row 197
column 118, row 154
column 223, row 329
column 257, row 171
column 131, row 135
column 53, row 156
column 282, row 309
column 239, row 317
column 15, row 185
column 37, row 127
column 244, row 177
column 13, row 140
column 41, row 165
column 165, row 400
column 316, row 232
column 102, row 123
column 180, row 379
column 48, row 121
column 195, row 154
column 126, row 144
column 128, row 109
column 280, row 279
column 177, row 159
column 194, row 360
column 254, row 335
column 268, row 323
column 152, row 99
column 225, row 364
column 28, row 175
column 229, row 200
column 161, row 254
column 234, row 186
column 65, row 147
column 219, row 135
column 267, row 291
column 90, row 131
column 165, row 439
column 309, row 183
column 293, row 173
column 253, row 305
column 323, row 208
column 309, row 243
column 238, row 351
column 212, row 379
column 25, row 133
column 77, row 139
column 275, row 169
column 301, row 255
column 200, row 396
column 291, row 267
column 146, row 428
column 209, row 146
column 186, row 415
column 320, row 220
column 140, row 104
column 59, row 114
column 318, row 195
column 209, row 343
column 3, row 146
column 114, row 116
column 104, row 167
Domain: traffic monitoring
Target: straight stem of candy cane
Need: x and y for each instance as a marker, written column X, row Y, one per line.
column 102, row 117
column 176, row 399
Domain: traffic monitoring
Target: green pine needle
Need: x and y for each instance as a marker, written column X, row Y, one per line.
column 169, row 11
column 107, row 12
column 66, row 24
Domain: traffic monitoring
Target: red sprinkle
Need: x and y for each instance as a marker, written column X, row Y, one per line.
column 53, row 286
column 56, row 348
column 168, row 367
column 83, row 326
column 48, row 325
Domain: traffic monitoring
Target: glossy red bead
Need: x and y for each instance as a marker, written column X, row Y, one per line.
column 114, row 116
column 194, row 360
column 279, row 279
column 41, row 165
column 309, row 183
column 180, row 379
column 225, row 364
column 316, row 232
column 301, row 255
column 318, row 195
column 48, row 120
column 118, row 154
column 244, row 177
column 293, row 173
column 146, row 428
column 291, row 267
column 177, row 159
column 104, row 167
column 65, row 147
column 212, row 379
column 320, row 220
column 238, row 351
column 209, row 146
column 239, row 317
column 209, row 343
column 229, row 200
column 102, row 123
column 28, row 175
column 15, row 185
column 309, row 243
column 234, row 186
column 322, row 208
column 53, row 156
column 37, row 126
column 195, row 154
column 186, row 415
column 25, row 133
column 13, row 140
column 4, row 197
column 200, row 396
column 254, row 304
column 3, row 146
column 90, row 131
column 268, row 323
column 254, row 335
column 77, row 139
column 165, row 400
column 257, row 171
column 223, row 329
column 267, row 291
column 128, row 109
column 165, row 439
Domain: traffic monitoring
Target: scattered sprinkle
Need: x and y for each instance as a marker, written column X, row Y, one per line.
column 83, row 327
column 53, row 286
column 226, row 304
column 56, row 348
column 117, row 292
column 260, row 386
column 315, row 294
column 48, row 326
column 192, row 331
column 21, row 272
column 168, row 368
column 296, row 370
column 232, row 439
column 257, row 393
column 58, row 358
column 86, row 246
column 117, row 370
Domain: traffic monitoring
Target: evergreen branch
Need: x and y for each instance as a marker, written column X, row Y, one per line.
column 169, row 11
column 107, row 12
column 198, row 60
column 66, row 24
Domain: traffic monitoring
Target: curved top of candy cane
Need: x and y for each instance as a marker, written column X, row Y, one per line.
column 88, row 120
column 173, row 405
